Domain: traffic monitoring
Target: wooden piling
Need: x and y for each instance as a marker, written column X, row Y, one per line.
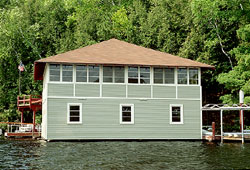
column 213, row 132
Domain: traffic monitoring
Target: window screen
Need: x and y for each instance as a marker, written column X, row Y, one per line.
column 54, row 72
column 193, row 76
column 119, row 74
column 132, row 74
column 169, row 76
column 108, row 74
column 94, row 74
column 144, row 75
column 81, row 73
column 182, row 76
column 158, row 75
column 67, row 73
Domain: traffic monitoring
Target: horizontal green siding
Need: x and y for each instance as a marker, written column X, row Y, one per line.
column 189, row 92
column 87, row 90
column 113, row 90
column 119, row 90
column 139, row 91
column 164, row 91
column 101, row 120
column 60, row 89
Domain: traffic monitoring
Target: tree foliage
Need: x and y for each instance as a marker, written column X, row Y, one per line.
column 215, row 32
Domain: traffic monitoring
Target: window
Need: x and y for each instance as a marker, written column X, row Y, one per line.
column 67, row 73
column 93, row 74
column 119, row 74
column 164, row 75
column 176, row 114
column 74, row 113
column 132, row 74
column 108, row 74
column 113, row 74
column 126, row 114
column 54, row 72
column 182, row 76
column 144, row 75
column 81, row 73
column 158, row 75
column 169, row 76
column 193, row 76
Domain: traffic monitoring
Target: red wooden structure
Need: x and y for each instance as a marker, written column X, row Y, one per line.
column 21, row 129
column 29, row 102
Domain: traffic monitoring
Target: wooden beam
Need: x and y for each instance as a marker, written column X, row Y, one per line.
column 23, row 134
column 18, row 123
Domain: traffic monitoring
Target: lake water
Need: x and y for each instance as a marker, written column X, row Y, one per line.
column 123, row 155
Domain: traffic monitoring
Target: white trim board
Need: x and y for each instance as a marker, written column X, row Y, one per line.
column 201, row 115
column 132, row 98
column 132, row 84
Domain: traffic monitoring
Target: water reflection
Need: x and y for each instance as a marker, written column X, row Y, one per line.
column 122, row 155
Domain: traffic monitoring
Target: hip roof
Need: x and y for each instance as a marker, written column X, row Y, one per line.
column 116, row 52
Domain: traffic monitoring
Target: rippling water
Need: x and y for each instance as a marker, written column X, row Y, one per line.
column 123, row 155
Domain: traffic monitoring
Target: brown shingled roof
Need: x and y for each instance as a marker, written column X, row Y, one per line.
column 116, row 52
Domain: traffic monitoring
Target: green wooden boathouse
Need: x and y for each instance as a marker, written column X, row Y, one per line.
column 117, row 90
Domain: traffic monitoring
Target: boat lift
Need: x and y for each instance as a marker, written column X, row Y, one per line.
column 221, row 107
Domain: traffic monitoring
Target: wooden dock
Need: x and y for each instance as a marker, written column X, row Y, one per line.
column 211, row 138
column 17, row 129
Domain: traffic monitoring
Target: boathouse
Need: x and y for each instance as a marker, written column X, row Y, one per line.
column 118, row 90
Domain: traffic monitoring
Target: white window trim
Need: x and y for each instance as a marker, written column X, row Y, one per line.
column 68, row 113
column 132, row 114
column 139, row 75
column 199, row 77
column 170, row 113
column 61, row 75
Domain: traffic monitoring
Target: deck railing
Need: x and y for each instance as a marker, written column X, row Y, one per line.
column 27, row 100
column 14, row 127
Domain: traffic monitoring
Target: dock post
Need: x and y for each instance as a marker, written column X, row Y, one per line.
column 22, row 116
column 241, row 97
column 34, row 123
column 242, row 126
column 221, row 125
column 213, row 128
